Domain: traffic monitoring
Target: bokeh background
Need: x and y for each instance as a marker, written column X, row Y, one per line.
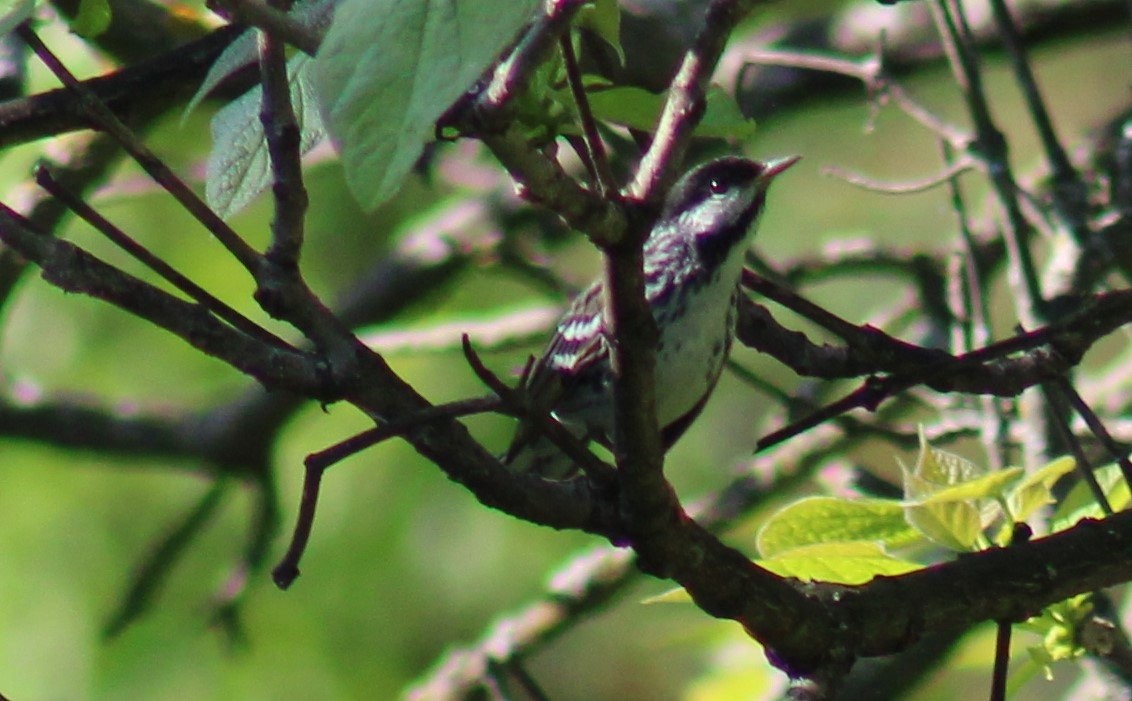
column 403, row 563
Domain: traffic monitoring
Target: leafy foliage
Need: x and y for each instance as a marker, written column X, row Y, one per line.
column 387, row 70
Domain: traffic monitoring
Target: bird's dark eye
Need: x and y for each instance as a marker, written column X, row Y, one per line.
column 716, row 186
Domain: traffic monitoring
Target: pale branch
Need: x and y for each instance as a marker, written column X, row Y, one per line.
column 684, row 105
column 487, row 110
column 1069, row 192
column 990, row 145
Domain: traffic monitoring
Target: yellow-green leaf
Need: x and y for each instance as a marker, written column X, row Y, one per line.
column 1036, row 489
column 956, row 525
column 832, row 520
column 990, row 486
column 842, row 563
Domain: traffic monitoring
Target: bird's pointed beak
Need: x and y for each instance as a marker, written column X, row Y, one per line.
column 773, row 168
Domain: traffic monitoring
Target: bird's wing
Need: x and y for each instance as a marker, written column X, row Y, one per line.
column 577, row 349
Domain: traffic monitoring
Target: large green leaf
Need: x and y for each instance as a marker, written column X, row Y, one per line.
column 843, row 563
column 833, row 520
column 388, row 69
column 239, row 166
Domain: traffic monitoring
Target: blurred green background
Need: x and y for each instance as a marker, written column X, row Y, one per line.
column 404, row 563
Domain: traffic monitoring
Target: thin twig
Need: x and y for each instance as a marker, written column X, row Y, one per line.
column 515, row 403
column 958, row 167
column 338, row 452
column 316, row 464
column 154, row 571
column 1055, row 397
column 595, row 148
column 1120, row 455
column 287, row 571
column 990, row 145
column 276, row 23
column 154, row 166
column 47, row 181
column 1068, row 190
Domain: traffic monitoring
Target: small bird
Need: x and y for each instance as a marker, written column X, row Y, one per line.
column 693, row 259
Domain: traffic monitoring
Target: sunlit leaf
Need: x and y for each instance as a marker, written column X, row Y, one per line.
column 387, row 69
column 954, row 525
column 989, row 486
column 1080, row 502
column 936, row 470
column 832, row 520
column 1036, row 489
column 843, row 563
column 679, row 595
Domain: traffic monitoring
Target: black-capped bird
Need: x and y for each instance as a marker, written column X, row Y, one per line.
column 693, row 259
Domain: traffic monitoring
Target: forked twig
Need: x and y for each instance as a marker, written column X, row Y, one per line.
column 87, row 213
column 515, row 403
column 316, row 464
column 106, row 120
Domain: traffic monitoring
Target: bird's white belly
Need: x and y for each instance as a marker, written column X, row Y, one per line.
column 691, row 351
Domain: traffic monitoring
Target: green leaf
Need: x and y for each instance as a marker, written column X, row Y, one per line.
column 1059, row 626
column 1036, row 489
column 312, row 14
column 13, row 13
column 832, row 520
column 936, row 470
column 990, row 486
column 92, row 18
column 388, row 69
column 239, row 167
column 637, row 108
column 842, row 563
column 603, row 18
column 631, row 107
column 954, row 525
column 722, row 117
column 241, row 52
column 1079, row 503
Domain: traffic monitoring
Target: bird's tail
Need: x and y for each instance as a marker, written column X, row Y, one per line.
column 534, row 453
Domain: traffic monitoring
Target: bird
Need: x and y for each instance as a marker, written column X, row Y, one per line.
column 693, row 260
